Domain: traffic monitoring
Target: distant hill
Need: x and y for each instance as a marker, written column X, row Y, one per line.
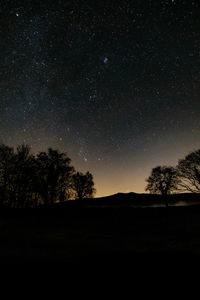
column 134, row 199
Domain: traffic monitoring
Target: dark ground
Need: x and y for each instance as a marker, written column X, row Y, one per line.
column 100, row 237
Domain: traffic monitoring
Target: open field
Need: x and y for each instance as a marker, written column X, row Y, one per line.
column 79, row 235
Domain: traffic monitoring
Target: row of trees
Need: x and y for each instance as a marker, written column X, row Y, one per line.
column 185, row 177
column 27, row 180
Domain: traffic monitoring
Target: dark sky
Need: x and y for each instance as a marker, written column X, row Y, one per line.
column 115, row 84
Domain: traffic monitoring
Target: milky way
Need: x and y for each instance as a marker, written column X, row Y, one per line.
column 115, row 84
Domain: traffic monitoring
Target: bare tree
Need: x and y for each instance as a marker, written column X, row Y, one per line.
column 189, row 172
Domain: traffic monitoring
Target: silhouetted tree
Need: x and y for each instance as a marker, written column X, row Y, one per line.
column 22, row 178
column 6, row 166
column 189, row 172
column 26, row 180
column 83, row 185
column 163, row 180
column 53, row 173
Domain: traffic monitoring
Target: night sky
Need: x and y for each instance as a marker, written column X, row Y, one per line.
column 115, row 84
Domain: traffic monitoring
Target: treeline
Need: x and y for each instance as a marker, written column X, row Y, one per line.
column 185, row 177
column 28, row 180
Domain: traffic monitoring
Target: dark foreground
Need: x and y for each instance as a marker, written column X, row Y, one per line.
column 100, row 237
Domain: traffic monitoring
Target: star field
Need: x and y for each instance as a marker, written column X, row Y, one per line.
column 115, row 84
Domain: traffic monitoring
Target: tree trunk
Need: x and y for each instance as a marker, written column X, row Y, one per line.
column 165, row 197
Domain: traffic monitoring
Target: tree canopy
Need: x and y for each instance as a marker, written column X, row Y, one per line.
column 27, row 180
column 163, row 180
column 83, row 185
